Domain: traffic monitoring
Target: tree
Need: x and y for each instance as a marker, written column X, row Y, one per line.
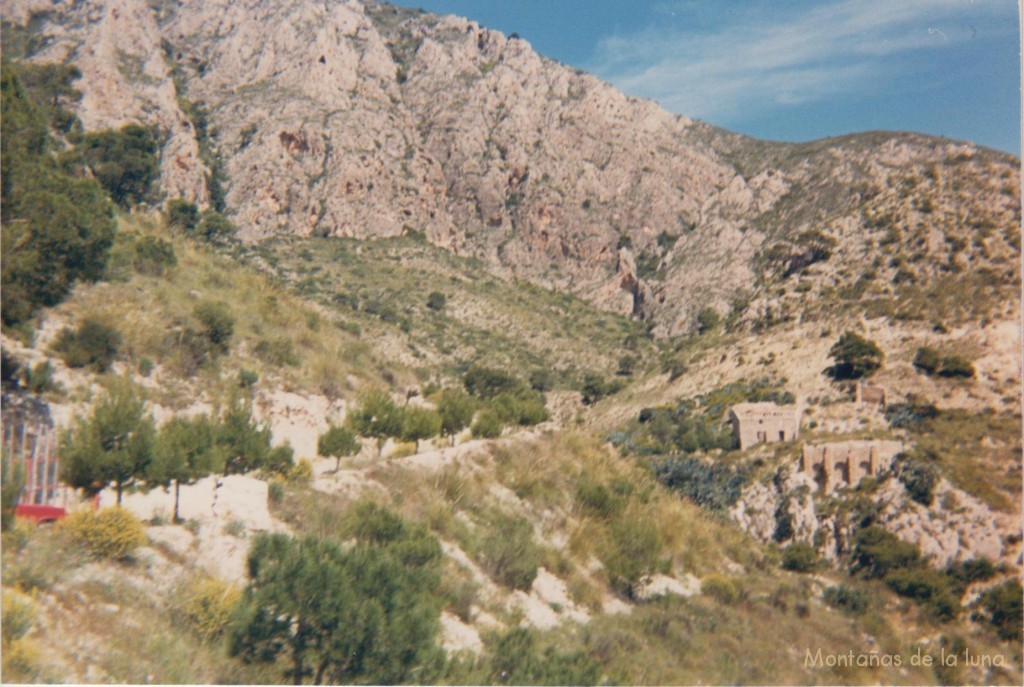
column 337, row 442
column 487, row 425
column 419, row 423
column 363, row 614
column 93, row 344
column 114, row 446
column 456, row 409
column 245, row 442
column 855, row 357
column 125, row 161
column 484, row 382
column 186, row 451
column 375, row 416
column 56, row 229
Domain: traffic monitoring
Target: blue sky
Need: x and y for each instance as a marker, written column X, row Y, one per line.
column 790, row 70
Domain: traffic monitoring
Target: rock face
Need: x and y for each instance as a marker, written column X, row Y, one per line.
column 360, row 119
column 956, row 527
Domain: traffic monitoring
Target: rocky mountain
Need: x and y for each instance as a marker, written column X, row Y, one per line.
column 366, row 120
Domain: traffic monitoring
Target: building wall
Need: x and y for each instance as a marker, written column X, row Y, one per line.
column 846, row 463
column 764, row 423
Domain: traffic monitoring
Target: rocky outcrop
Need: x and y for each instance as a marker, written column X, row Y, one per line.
column 365, row 120
column 956, row 527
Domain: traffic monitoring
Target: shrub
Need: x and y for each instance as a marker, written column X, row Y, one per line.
column 93, row 344
column 517, row 660
column 125, row 161
column 627, row 365
column 855, row 357
column 39, row 379
column 918, row 477
column 509, row 553
column 207, row 605
column 720, row 588
column 800, row 557
column 597, row 500
column 1005, row 609
column 215, row 227
column 486, row 383
column 153, row 256
column 714, row 486
column 928, row 587
column 182, row 215
column 542, row 380
column 594, row 388
column 855, row 601
column 301, row 472
column 218, row 324
column 956, row 366
column 708, row 320
column 436, row 301
column 878, row 553
column 19, row 615
column 487, row 425
column 927, row 360
column 634, row 547
column 112, row 533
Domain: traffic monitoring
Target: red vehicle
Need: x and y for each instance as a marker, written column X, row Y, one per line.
column 39, row 513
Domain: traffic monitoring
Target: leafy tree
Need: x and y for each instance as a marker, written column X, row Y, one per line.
column 93, row 344
column 855, row 357
column 375, row 416
column 342, row 615
column 419, row 423
column 485, row 383
column 186, row 451
column 124, row 161
column 456, row 409
column 56, row 229
column 245, row 442
column 337, row 442
column 113, row 446
column 182, row 215
column 49, row 86
column 487, row 425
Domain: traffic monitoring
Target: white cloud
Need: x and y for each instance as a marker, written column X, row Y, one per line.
column 744, row 62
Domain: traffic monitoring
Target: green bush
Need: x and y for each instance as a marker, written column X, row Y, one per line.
column 112, row 533
column 487, row 425
column 182, row 215
column 918, row 475
column 708, row 320
column 956, row 366
column 715, row 486
column 218, row 324
column 1005, row 610
column 486, row 383
column 927, row 360
column 928, row 587
column 721, row 588
column 854, row 601
column 19, row 615
column 855, row 357
column 509, row 553
column 800, row 557
column 215, row 227
column 436, row 301
column 125, row 161
column 878, row 552
column 634, row 548
column 39, row 379
column 154, row 256
column 93, row 344
column 516, row 659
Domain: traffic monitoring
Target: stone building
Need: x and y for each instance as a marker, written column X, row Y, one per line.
column 870, row 395
column 846, row 463
column 764, row 423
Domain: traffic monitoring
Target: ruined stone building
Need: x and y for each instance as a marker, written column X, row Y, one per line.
column 870, row 395
column 846, row 463
column 764, row 423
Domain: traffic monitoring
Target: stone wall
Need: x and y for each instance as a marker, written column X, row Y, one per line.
column 764, row 423
column 846, row 463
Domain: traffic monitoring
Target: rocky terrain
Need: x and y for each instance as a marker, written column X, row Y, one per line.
column 367, row 120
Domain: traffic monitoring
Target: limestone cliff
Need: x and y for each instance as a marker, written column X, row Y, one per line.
column 365, row 120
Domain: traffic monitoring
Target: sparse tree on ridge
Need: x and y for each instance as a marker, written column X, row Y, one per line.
column 337, row 442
